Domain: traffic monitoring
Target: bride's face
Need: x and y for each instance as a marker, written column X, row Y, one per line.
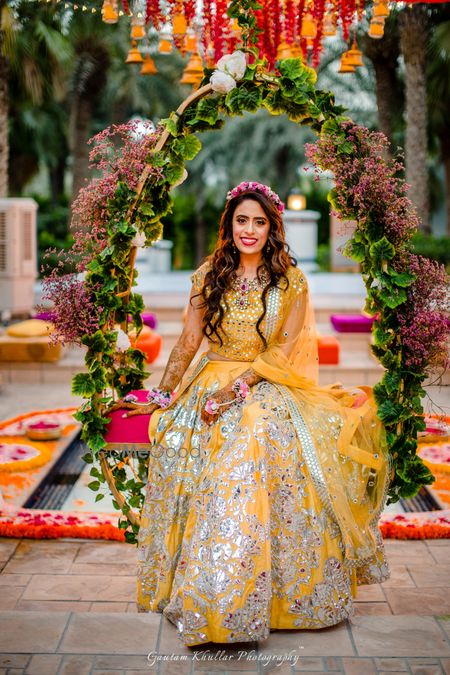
column 250, row 227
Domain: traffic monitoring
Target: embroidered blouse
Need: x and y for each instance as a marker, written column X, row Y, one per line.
column 241, row 341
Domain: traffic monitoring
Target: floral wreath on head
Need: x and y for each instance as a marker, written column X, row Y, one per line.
column 253, row 186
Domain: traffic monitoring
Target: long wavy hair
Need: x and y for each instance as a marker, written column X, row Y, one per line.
column 225, row 259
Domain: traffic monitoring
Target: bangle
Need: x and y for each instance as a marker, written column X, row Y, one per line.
column 241, row 389
column 162, row 398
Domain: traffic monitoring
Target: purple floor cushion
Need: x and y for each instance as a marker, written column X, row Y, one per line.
column 351, row 323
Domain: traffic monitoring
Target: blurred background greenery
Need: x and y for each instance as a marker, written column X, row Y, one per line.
column 67, row 80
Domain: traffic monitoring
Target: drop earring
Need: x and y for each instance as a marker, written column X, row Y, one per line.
column 268, row 247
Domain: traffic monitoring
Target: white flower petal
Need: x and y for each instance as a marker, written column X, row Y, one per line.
column 123, row 341
column 138, row 240
column 233, row 64
column 221, row 82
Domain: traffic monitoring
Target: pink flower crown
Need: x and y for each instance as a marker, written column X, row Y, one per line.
column 253, row 186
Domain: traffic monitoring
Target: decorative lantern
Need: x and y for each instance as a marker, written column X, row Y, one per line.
column 165, row 44
column 376, row 29
column 381, row 10
column 284, row 51
column 137, row 27
column 354, row 56
column 345, row 67
column 149, row 66
column 179, row 24
column 109, row 11
column 329, row 25
column 309, row 27
column 190, row 42
column 193, row 73
column 134, row 55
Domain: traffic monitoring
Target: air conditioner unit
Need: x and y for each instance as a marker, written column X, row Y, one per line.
column 18, row 254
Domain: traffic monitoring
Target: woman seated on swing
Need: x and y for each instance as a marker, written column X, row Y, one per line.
column 264, row 489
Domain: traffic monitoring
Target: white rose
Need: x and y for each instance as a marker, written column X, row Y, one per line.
column 182, row 179
column 233, row 64
column 123, row 341
column 221, row 82
column 138, row 240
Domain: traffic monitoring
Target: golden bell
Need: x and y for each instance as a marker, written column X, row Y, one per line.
column 376, row 29
column 381, row 10
column 346, row 67
column 149, row 67
column 109, row 14
column 193, row 73
column 134, row 55
column 137, row 31
column 179, row 24
column 329, row 25
column 354, row 56
column 165, row 45
column 309, row 27
column 296, row 51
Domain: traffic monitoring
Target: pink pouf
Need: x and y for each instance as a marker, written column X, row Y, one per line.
column 352, row 323
column 149, row 319
column 128, row 429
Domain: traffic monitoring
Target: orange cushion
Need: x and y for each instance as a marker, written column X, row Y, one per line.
column 149, row 342
column 329, row 349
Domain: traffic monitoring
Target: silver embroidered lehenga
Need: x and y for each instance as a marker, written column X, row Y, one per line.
column 268, row 518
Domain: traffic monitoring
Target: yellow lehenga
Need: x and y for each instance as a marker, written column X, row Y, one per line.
column 266, row 519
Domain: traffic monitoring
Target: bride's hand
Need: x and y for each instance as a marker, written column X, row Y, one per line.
column 224, row 395
column 135, row 408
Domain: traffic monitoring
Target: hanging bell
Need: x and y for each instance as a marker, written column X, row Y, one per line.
column 346, row 67
column 193, row 73
column 179, row 24
column 309, row 27
column 354, row 56
column 329, row 25
column 109, row 11
column 190, row 42
column 164, row 44
column 149, row 66
column 381, row 10
column 137, row 28
column 376, row 29
column 134, row 55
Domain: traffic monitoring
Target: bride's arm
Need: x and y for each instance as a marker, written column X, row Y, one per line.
column 186, row 346
column 180, row 357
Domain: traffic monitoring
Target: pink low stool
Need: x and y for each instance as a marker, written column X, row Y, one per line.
column 352, row 323
column 125, row 434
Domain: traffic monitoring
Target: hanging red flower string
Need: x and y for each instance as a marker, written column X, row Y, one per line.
column 289, row 21
column 153, row 13
column 218, row 37
column 318, row 14
column 125, row 6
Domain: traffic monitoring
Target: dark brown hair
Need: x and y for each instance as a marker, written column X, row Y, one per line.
column 225, row 258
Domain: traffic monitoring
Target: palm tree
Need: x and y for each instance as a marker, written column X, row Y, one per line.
column 414, row 32
column 383, row 55
column 439, row 97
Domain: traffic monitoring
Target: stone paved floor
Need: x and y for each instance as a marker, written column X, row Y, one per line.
column 67, row 608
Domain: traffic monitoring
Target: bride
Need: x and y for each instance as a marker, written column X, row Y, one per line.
column 264, row 488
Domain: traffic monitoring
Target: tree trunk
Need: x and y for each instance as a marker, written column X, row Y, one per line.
column 56, row 178
column 445, row 154
column 201, row 232
column 384, row 55
column 4, row 115
column 81, row 125
column 413, row 44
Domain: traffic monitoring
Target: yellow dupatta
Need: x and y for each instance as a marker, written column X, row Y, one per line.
column 344, row 446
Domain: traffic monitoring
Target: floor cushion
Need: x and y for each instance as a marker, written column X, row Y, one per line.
column 351, row 323
column 329, row 349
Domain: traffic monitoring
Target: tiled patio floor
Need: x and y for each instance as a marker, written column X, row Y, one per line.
column 67, row 607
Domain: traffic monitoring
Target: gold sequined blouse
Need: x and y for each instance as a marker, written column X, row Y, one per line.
column 241, row 341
